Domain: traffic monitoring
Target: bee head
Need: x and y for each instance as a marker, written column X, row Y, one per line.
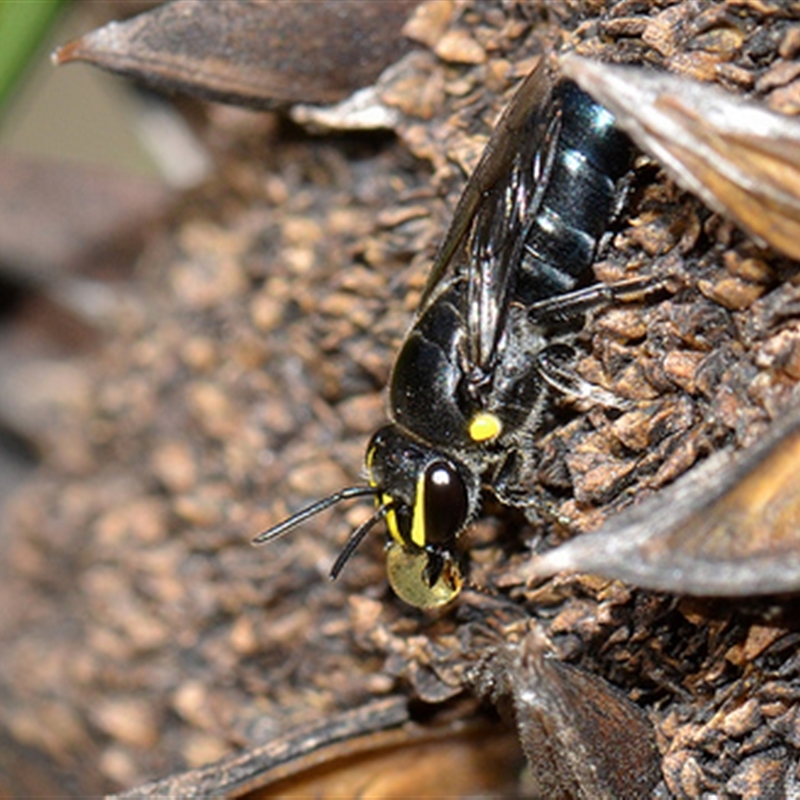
column 428, row 499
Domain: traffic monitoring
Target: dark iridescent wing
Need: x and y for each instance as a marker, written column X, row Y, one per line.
column 484, row 241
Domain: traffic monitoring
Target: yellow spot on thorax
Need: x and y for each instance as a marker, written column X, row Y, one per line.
column 484, row 427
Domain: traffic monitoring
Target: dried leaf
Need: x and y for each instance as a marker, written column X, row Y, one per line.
column 366, row 752
column 740, row 158
column 730, row 527
column 259, row 53
column 582, row 737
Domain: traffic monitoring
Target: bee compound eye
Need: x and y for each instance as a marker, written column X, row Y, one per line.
column 446, row 503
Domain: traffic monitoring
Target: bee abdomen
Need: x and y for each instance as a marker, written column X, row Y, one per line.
column 590, row 156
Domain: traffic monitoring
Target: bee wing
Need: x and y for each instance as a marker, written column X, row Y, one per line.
column 483, row 238
column 741, row 159
column 730, row 527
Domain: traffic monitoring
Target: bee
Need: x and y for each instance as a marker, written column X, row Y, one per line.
column 493, row 337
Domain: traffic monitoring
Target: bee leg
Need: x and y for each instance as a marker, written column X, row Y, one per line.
column 515, row 484
column 615, row 215
column 556, row 365
column 573, row 305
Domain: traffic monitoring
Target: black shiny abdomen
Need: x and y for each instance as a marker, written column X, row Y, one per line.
column 590, row 156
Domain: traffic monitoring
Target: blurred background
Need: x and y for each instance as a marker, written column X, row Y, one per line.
column 85, row 160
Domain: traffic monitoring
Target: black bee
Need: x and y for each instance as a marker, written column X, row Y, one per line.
column 491, row 340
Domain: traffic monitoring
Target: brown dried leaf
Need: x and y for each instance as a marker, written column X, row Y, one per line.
column 365, row 752
column 259, row 53
column 583, row 738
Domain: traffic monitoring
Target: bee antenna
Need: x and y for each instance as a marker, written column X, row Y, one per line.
column 356, row 537
column 301, row 516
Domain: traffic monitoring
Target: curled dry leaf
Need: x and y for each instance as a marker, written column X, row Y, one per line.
column 583, row 738
column 258, row 53
column 371, row 751
column 730, row 527
column 740, row 158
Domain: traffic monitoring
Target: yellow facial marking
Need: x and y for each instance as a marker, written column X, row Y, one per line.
column 484, row 427
column 418, row 518
column 368, row 461
column 391, row 519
